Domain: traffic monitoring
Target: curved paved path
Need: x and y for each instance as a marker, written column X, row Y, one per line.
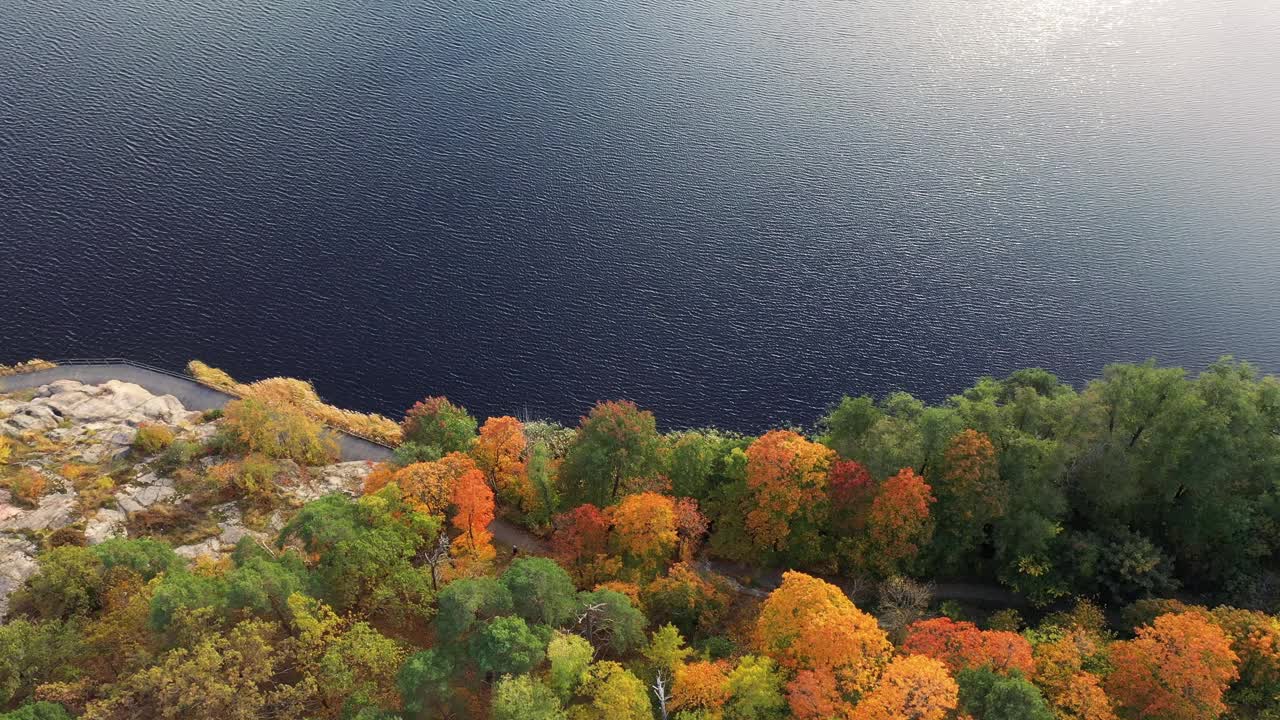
column 195, row 396
column 190, row 393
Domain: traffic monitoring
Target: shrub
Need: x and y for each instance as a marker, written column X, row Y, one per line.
column 253, row 478
column 179, row 454
column 278, row 433
column 1008, row 620
column 151, row 439
column 28, row 485
column 67, row 536
column 256, row 480
column 38, row 711
column 6, row 449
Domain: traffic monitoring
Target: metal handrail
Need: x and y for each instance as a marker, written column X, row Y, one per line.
column 189, row 378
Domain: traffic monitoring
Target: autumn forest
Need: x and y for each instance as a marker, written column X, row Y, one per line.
column 1025, row 550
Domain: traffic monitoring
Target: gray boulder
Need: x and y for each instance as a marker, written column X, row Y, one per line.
column 17, row 563
column 106, row 524
column 55, row 511
column 346, row 478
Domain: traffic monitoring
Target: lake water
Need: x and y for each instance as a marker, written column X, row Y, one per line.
column 730, row 211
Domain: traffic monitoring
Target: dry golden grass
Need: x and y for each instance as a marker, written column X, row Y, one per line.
column 26, row 367
column 95, row 494
column 300, row 395
column 77, row 473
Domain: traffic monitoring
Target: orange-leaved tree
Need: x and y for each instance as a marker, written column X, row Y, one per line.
column 788, row 476
column 961, row 645
column 691, row 527
column 473, row 511
column 1177, row 668
column 498, row 452
column 428, row 487
column 970, row 475
column 644, row 532
column 899, row 524
column 814, row 695
column 701, row 686
column 851, row 490
column 1059, row 662
column 1083, row 699
column 912, row 688
column 970, row 496
column 580, row 544
column 1255, row 638
column 809, row 624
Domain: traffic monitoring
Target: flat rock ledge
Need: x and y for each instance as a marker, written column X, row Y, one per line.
column 113, row 402
column 94, row 424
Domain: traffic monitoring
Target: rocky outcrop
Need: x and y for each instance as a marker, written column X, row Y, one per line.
column 55, row 511
column 144, row 492
column 346, row 478
column 231, row 525
column 95, row 426
column 114, row 403
column 17, row 563
column 104, row 525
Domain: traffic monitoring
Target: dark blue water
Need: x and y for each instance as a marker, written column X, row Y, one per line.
column 731, row 211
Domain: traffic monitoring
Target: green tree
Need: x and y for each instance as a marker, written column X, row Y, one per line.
column 615, row 693
column 38, row 711
column 181, row 592
column 569, row 655
column 615, row 444
column 367, row 551
column 525, row 698
column 755, row 690
column 847, row 424
column 67, row 584
column 885, row 438
column 987, row 695
column 262, row 583
column 545, row 500
column 357, row 669
column 691, row 461
column 507, row 645
column 610, row 621
column 541, row 591
column 438, row 427
column 463, row 603
column 144, row 556
column 666, row 650
column 35, row 653
column 425, row 682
